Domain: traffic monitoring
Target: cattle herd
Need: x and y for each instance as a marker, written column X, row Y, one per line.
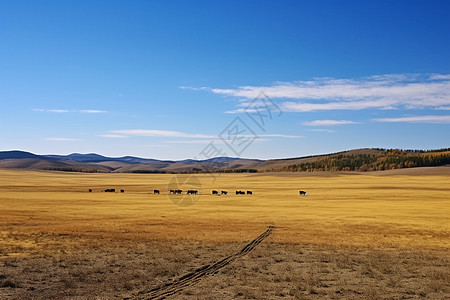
column 109, row 191
column 243, row 193
column 193, row 192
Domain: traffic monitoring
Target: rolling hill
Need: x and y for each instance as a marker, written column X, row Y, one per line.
column 361, row 160
column 92, row 162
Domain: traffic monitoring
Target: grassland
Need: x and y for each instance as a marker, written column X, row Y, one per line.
column 351, row 237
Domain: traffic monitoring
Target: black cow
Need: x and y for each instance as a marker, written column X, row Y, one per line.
column 249, row 193
column 302, row 193
column 240, row 193
column 192, row 192
column 90, row 190
column 223, row 192
column 122, row 191
column 177, row 192
column 214, row 192
column 156, row 192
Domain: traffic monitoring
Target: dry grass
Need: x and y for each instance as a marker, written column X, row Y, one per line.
column 352, row 236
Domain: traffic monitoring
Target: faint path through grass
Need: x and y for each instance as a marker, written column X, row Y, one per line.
column 189, row 279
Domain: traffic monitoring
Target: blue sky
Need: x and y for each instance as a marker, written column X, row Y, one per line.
column 165, row 79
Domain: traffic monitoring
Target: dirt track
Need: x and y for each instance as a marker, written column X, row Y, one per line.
column 189, row 279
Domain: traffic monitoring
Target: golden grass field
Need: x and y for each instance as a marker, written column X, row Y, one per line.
column 352, row 237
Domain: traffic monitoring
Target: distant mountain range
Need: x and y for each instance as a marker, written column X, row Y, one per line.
column 369, row 159
column 93, row 162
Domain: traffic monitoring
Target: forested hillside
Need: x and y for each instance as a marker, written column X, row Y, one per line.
column 381, row 159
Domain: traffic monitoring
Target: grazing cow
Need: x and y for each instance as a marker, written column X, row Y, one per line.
column 156, row 192
column 214, row 192
column 240, row 193
column 223, row 192
column 90, row 190
column 302, row 193
column 192, row 192
column 178, row 192
column 249, row 193
column 107, row 190
column 113, row 190
column 122, row 191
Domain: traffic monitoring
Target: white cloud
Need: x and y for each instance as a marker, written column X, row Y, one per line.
column 214, row 141
column 92, row 111
column 160, row 133
column 328, row 122
column 390, row 91
column 52, row 110
column 323, row 130
column 194, row 88
column 58, row 110
column 84, row 111
column 113, row 136
column 241, row 111
column 178, row 134
column 440, row 76
column 417, row 119
column 443, row 108
column 61, row 139
column 282, row 136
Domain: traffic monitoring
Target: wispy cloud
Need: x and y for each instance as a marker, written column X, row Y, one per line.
column 52, row 110
column 328, row 122
column 390, row 91
column 322, row 130
column 112, row 136
column 61, row 139
column 83, row 111
column 241, row 110
column 417, row 119
column 177, row 134
column 214, row 141
column 152, row 146
column 92, row 111
column 160, row 133
column 440, row 76
column 194, row 88
column 281, row 136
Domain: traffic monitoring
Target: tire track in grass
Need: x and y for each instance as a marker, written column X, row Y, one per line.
column 192, row 278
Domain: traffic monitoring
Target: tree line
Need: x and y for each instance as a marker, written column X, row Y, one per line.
column 392, row 159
